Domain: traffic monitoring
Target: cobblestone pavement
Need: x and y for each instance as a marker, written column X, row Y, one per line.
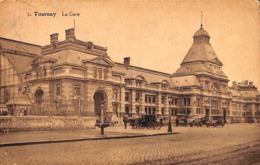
column 192, row 146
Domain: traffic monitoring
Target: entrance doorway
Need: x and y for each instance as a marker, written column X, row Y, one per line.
column 38, row 101
column 100, row 98
column 225, row 116
column 207, row 114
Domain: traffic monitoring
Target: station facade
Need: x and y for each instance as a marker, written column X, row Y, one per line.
column 74, row 78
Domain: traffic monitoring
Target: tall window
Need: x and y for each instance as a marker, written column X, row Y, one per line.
column 40, row 72
column 44, row 71
column 163, row 100
column 95, row 72
column 198, row 102
column 186, row 101
column 127, row 96
column 214, row 104
column 150, row 99
column 58, row 90
column 76, row 90
column 175, row 101
column 100, row 75
column 138, row 97
column 105, row 74
column 115, row 93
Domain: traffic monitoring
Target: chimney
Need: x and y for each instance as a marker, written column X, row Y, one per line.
column 127, row 61
column 246, row 82
column 251, row 84
column 70, row 33
column 54, row 37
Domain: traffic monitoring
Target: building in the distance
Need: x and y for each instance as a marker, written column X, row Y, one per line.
column 73, row 77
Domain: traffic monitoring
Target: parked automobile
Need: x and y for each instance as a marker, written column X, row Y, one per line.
column 214, row 123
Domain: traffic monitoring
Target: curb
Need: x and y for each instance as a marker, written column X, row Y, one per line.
column 81, row 139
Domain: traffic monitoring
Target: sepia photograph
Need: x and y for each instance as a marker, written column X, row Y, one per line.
column 125, row 82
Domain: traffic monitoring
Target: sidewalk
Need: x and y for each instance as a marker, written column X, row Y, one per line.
column 41, row 137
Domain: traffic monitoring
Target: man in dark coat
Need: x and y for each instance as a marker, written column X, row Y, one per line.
column 125, row 121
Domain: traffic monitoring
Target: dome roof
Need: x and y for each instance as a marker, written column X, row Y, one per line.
column 201, row 32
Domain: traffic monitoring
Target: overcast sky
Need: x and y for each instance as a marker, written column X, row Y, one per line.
column 156, row 35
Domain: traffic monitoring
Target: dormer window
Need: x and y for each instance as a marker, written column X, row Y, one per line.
column 164, row 87
column 89, row 45
column 138, row 83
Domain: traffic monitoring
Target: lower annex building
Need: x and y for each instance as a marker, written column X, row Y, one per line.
column 73, row 78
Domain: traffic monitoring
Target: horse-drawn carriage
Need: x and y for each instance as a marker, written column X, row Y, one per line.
column 146, row 121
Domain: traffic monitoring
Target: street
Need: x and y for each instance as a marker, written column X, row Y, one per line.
column 232, row 144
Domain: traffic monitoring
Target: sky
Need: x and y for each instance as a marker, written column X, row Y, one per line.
column 154, row 34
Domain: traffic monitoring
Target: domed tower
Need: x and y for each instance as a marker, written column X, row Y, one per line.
column 202, row 61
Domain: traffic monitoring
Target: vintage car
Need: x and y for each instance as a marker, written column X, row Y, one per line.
column 214, row 123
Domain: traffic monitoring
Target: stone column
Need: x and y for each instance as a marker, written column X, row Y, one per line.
column 159, row 104
column 133, row 103
column 166, row 105
column 142, row 107
column 121, row 107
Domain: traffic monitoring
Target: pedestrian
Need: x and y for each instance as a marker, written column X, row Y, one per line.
column 177, row 122
column 125, row 121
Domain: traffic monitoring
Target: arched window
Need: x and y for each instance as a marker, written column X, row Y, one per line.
column 40, row 72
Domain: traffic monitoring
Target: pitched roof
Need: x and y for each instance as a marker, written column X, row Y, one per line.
column 201, row 52
column 183, row 81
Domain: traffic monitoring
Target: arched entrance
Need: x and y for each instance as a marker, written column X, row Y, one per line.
column 100, row 98
column 38, row 98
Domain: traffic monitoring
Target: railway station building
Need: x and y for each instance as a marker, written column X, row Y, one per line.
column 74, row 78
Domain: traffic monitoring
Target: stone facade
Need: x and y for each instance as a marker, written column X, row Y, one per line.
column 74, row 78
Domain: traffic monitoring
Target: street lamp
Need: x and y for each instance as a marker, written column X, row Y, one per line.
column 102, row 113
column 170, row 122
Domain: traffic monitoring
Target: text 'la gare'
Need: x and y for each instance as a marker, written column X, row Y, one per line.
column 70, row 14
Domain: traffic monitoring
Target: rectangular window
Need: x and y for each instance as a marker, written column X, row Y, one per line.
column 149, row 100
column 100, row 76
column 138, row 110
column 138, row 97
column 127, row 96
column 95, row 72
column 115, row 93
column 138, row 83
column 105, row 74
column 163, row 100
column 199, row 111
column 175, row 101
column 214, row 104
column 198, row 102
column 76, row 90
column 154, row 99
column 58, row 90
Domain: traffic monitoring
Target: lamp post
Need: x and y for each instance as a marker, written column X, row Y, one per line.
column 102, row 113
column 170, row 122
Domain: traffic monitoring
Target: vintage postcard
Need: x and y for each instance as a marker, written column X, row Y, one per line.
column 129, row 82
